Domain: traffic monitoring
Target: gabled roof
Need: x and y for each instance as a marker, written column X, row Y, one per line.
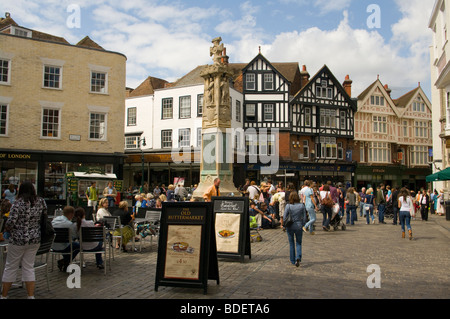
column 387, row 97
column 325, row 69
column 89, row 43
column 148, row 87
column 405, row 100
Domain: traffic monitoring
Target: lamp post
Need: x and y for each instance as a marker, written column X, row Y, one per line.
column 139, row 141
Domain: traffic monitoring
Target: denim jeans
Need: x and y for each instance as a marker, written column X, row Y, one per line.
column 351, row 214
column 395, row 210
column 405, row 218
column 312, row 219
column 381, row 210
column 98, row 257
column 361, row 209
column 326, row 211
column 369, row 212
column 295, row 245
column 75, row 251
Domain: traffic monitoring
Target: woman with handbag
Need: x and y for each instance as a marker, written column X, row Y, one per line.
column 369, row 204
column 294, row 217
column 406, row 211
column 24, row 225
column 326, row 205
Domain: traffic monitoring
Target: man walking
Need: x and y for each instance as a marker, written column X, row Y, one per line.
column 381, row 202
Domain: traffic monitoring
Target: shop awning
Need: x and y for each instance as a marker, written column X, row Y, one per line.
column 443, row 175
column 94, row 175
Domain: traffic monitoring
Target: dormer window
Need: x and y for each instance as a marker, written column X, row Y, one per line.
column 377, row 100
column 324, row 91
column 18, row 31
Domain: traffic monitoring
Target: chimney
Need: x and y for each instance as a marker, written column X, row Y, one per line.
column 224, row 56
column 348, row 85
column 304, row 76
column 388, row 90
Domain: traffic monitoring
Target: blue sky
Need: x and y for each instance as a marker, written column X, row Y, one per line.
column 167, row 39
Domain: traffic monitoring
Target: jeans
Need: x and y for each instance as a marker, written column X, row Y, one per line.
column 361, row 209
column 111, row 201
column 312, row 219
column 351, row 210
column 381, row 209
column 424, row 212
column 98, row 257
column 341, row 209
column 295, row 245
column 405, row 218
column 369, row 212
column 326, row 211
column 75, row 251
column 395, row 210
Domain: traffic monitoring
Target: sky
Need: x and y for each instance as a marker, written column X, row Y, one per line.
column 166, row 39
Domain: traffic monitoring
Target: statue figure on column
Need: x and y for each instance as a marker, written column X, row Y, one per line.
column 216, row 50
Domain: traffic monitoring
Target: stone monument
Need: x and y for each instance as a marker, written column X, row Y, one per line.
column 217, row 147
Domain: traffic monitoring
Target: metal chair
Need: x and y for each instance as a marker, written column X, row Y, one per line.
column 111, row 224
column 153, row 217
column 94, row 235
column 62, row 236
column 44, row 251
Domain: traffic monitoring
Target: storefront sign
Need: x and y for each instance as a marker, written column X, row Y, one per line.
column 187, row 254
column 13, row 156
column 307, row 167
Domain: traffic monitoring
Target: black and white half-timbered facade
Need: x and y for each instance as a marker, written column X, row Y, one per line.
column 323, row 127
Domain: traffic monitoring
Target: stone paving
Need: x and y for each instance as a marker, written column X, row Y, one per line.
column 334, row 266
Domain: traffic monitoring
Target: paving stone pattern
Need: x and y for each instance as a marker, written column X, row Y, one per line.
column 334, row 265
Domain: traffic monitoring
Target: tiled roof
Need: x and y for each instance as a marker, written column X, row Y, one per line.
column 89, row 43
column 148, row 87
column 403, row 100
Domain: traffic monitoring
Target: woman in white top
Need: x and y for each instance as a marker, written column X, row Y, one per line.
column 406, row 205
column 103, row 210
column 94, row 246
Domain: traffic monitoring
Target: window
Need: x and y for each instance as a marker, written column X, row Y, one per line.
column 238, row 111
column 21, row 32
column 268, row 81
column 52, row 77
column 3, row 119
column 379, row 152
column 166, row 138
column 199, row 105
column 5, row 71
column 131, row 116
column 185, row 107
column 405, row 129
column 420, row 129
column 340, row 150
column 327, row 148
column 419, row 155
column 305, row 149
column 307, row 116
column 251, row 144
column 199, row 137
column 328, row 118
column 377, row 100
column 324, row 91
column 99, row 82
column 250, row 81
column 362, row 155
column 268, row 112
column 343, row 120
column 131, row 142
column 167, row 108
column 50, row 123
column 380, row 124
column 184, row 137
column 250, row 112
column 97, row 126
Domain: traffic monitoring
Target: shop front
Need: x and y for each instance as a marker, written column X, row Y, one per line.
column 47, row 170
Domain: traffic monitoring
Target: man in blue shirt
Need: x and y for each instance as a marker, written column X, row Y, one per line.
column 311, row 206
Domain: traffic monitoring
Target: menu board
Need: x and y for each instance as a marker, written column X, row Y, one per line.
column 232, row 226
column 187, row 255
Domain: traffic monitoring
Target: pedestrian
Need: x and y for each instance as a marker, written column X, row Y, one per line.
column 297, row 211
column 434, row 202
column 213, row 190
column 424, row 202
column 326, row 204
column 381, row 202
column 110, row 192
column 395, row 208
column 350, row 200
column 92, row 195
column 10, row 193
column 369, row 204
column 362, row 195
column 310, row 205
column 23, row 225
column 406, row 206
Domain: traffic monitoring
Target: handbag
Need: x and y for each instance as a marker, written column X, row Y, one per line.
column 288, row 221
column 47, row 231
column 328, row 202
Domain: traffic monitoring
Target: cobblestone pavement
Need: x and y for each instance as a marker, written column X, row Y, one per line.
column 334, row 265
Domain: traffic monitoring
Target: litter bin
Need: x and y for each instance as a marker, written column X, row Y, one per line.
column 447, row 210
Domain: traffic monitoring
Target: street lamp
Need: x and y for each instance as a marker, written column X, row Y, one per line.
column 139, row 141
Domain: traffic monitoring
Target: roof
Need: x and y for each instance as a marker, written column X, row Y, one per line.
column 89, row 43
column 148, row 87
column 363, row 94
column 403, row 100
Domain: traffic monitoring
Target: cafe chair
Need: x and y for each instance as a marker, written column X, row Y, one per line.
column 94, row 235
column 43, row 253
column 62, row 235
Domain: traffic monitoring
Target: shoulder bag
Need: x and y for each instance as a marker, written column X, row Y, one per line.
column 47, row 231
column 288, row 221
column 327, row 201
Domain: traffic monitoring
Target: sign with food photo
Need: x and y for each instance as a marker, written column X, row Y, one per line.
column 227, row 232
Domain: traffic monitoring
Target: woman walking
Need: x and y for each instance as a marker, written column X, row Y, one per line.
column 298, row 215
column 369, row 203
column 24, row 226
column 326, row 204
column 406, row 205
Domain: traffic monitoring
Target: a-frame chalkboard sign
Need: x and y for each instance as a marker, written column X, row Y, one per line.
column 232, row 227
column 187, row 255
